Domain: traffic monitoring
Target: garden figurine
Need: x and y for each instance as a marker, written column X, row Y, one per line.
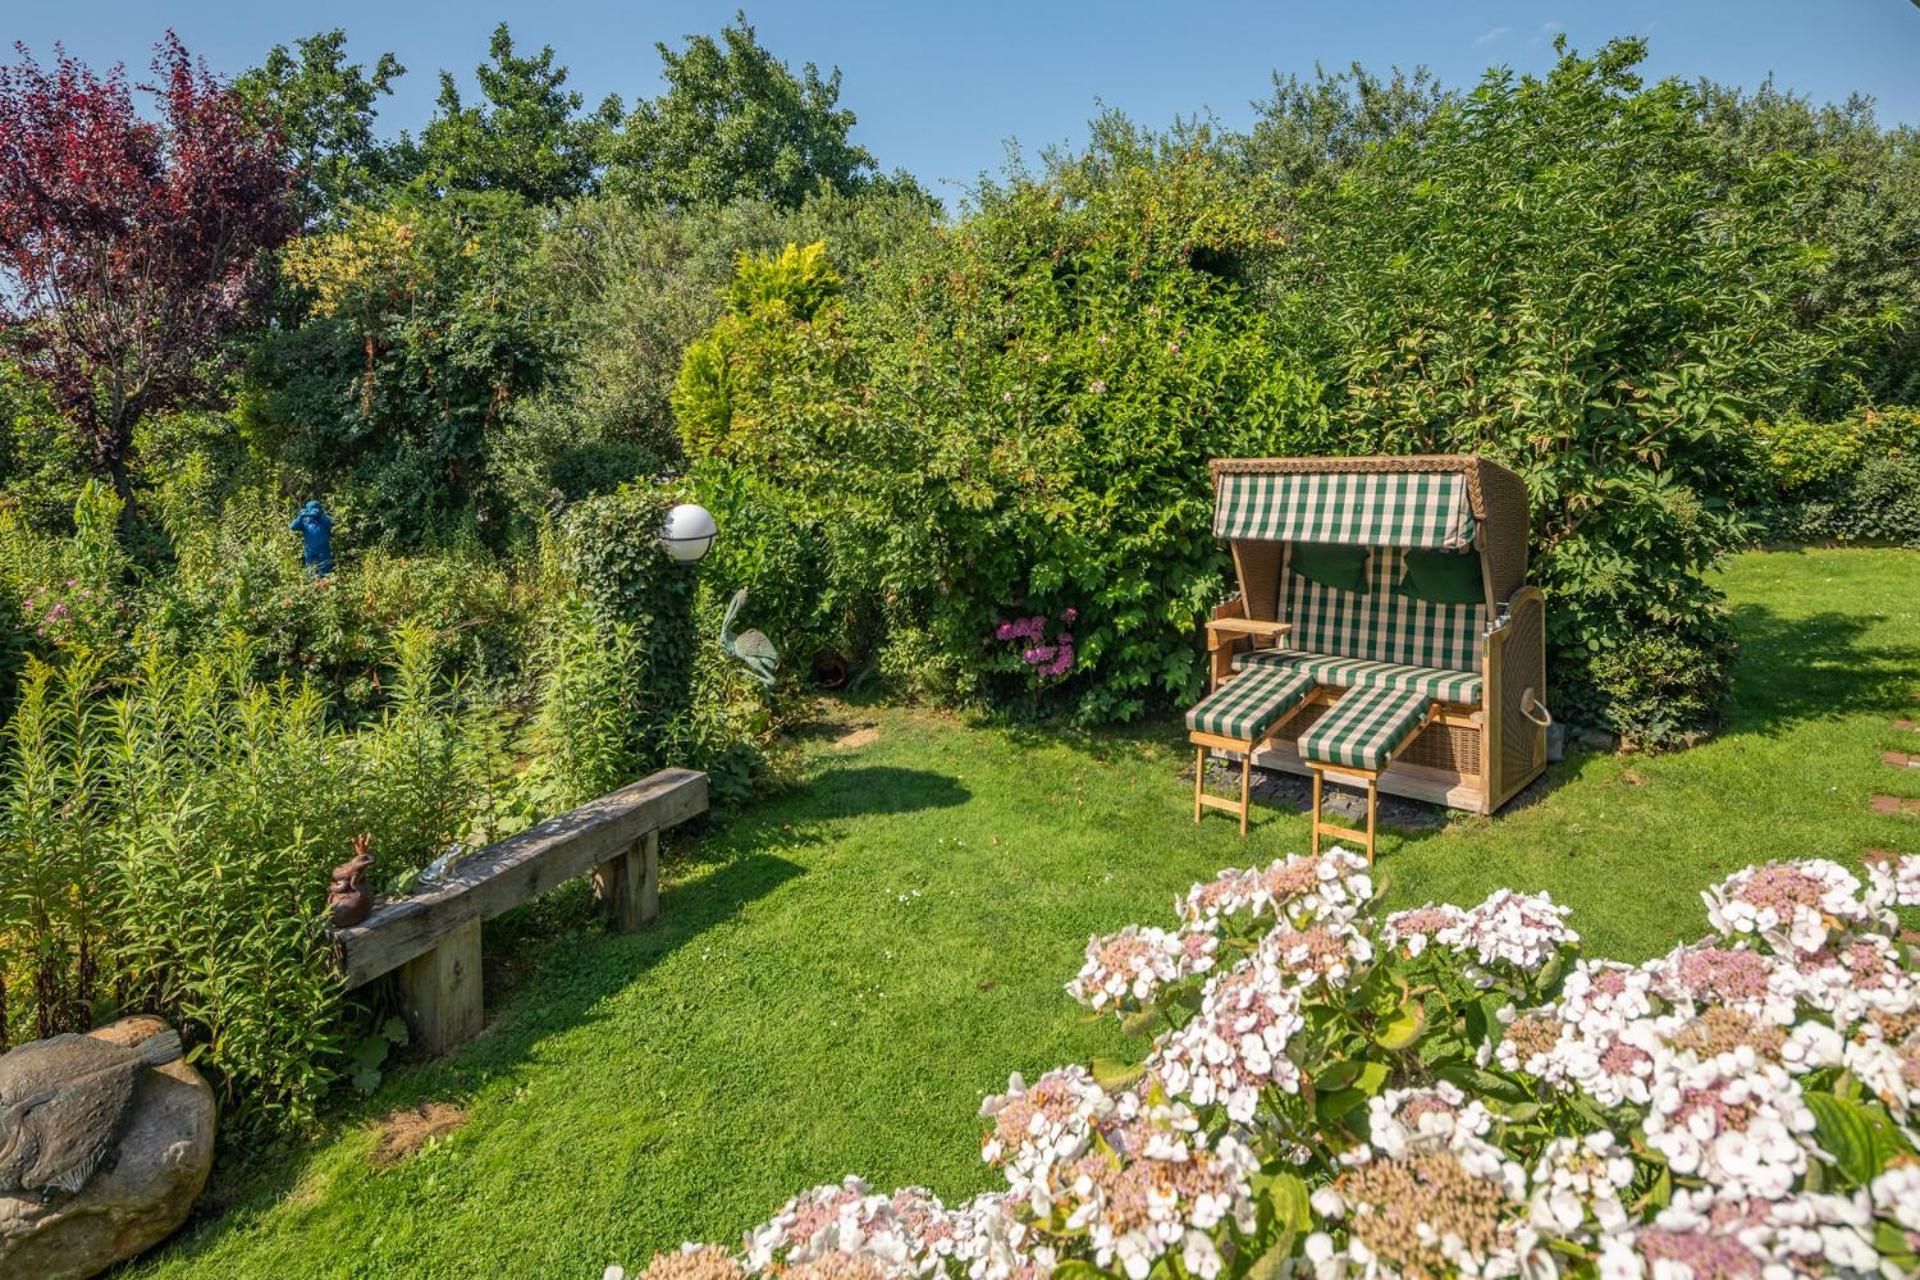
column 315, row 528
column 752, row 648
column 349, row 896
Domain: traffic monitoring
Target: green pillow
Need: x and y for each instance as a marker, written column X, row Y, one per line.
column 1331, row 565
column 1443, row 577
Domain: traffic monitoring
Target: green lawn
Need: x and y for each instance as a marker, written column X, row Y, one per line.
column 842, row 972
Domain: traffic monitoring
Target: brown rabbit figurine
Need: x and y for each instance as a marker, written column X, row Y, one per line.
column 350, row 897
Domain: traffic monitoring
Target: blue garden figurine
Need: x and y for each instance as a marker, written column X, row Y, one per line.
column 315, row 528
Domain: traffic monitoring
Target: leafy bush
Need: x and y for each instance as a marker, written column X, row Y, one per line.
column 1855, row 479
column 1662, row 689
column 1015, row 419
column 165, row 842
column 1335, row 1091
column 1564, row 274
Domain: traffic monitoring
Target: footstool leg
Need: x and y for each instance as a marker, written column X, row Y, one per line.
column 1199, row 776
column 1316, row 813
column 1373, row 808
column 1246, row 789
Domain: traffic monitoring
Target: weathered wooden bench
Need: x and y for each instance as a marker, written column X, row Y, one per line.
column 433, row 938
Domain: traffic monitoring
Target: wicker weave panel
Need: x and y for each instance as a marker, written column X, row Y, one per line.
column 1453, row 747
column 1523, row 669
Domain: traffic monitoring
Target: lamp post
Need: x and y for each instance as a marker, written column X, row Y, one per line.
column 689, row 532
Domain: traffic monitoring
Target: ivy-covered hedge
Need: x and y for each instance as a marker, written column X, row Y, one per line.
column 1856, row 479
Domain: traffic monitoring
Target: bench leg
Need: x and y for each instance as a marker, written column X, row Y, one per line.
column 628, row 884
column 440, row 991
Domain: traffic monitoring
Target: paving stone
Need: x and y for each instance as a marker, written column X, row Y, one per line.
column 1904, row 806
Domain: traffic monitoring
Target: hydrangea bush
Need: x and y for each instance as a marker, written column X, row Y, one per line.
column 1334, row 1091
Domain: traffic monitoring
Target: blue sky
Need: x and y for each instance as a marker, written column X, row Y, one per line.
column 940, row 89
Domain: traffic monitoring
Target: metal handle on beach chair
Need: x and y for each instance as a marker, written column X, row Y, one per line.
column 1528, row 704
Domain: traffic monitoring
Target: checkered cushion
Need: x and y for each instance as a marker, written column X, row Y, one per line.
column 1380, row 624
column 1436, row 682
column 1251, row 703
column 1364, row 728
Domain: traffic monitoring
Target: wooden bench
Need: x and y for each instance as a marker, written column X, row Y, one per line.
column 433, row 938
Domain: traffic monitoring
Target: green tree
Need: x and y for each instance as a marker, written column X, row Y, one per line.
column 1313, row 129
column 1866, row 221
column 324, row 108
column 736, row 122
column 525, row 136
column 1564, row 274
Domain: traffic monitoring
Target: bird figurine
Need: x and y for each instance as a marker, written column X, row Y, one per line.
column 63, row 1103
column 752, row 648
column 350, row 897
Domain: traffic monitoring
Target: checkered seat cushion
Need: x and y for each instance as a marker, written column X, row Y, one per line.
column 1438, row 683
column 1364, row 728
column 1247, row 706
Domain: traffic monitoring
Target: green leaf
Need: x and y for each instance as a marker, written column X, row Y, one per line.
column 394, row 1031
column 1405, row 1028
column 1845, row 1131
column 1114, row 1075
column 1338, row 1076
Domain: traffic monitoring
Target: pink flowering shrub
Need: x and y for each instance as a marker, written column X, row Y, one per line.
column 1045, row 659
column 1327, row 1090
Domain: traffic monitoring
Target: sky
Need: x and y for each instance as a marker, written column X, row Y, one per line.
column 941, row 90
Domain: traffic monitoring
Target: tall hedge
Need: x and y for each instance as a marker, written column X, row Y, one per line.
column 1014, row 421
column 1565, row 273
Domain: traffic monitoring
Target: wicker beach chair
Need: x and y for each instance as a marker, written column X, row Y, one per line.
column 1437, row 700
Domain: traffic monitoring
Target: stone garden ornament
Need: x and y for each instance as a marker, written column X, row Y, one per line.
column 63, row 1102
column 752, row 648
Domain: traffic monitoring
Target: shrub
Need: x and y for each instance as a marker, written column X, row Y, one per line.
column 1856, row 479
column 1331, row 1090
column 165, row 841
column 1569, row 275
column 1660, row 689
column 1017, row 418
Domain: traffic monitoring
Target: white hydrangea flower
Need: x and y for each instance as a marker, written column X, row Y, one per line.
column 1301, row 890
column 1793, row 906
column 1737, row 1121
column 1127, row 968
column 1577, row 1186
column 1036, row 1128
column 1894, row 881
column 1402, row 1121
column 1410, row 931
column 1520, row 930
column 1237, row 1044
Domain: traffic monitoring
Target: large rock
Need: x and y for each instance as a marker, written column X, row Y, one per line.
column 160, row 1167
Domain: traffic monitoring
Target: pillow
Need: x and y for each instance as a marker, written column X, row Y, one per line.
column 1443, row 577
column 1331, row 565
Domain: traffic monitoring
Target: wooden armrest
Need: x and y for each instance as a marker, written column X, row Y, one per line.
column 1224, row 631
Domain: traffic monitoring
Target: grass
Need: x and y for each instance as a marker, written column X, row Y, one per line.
column 842, row 972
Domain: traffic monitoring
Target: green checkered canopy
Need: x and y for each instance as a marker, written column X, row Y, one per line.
column 1373, row 509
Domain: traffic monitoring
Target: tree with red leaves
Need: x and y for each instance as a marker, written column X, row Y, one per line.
column 129, row 248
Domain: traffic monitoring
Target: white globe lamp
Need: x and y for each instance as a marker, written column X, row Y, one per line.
column 689, row 532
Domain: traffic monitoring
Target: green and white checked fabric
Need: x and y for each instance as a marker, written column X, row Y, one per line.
column 1423, row 509
column 1251, row 703
column 1380, row 624
column 1364, row 728
column 1437, row 683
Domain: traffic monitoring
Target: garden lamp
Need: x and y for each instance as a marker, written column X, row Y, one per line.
column 689, row 532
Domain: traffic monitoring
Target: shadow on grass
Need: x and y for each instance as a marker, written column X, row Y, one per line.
column 847, row 792
column 1791, row 670
column 556, row 945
